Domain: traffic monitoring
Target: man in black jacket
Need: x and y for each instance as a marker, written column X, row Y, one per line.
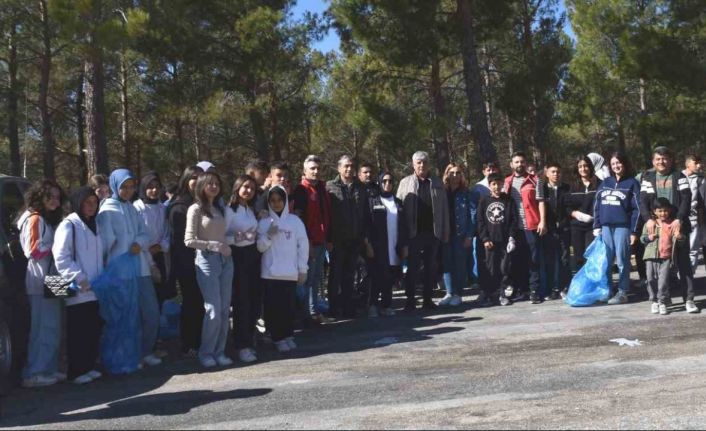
column 349, row 224
column 557, row 241
column 666, row 182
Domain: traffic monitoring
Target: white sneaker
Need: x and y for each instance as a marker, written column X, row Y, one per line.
column 247, row 356
column 446, row 300
column 224, row 361
column 655, row 308
column 82, row 380
column 290, row 342
column 387, row 312
column 151, row 360
column 373, row 312
column 208, row 362
column 691, row 307
column 60, row 377
column 282, row 346
column 38, row 381
column 663, row 310
column 455, row 301
column 95, row 374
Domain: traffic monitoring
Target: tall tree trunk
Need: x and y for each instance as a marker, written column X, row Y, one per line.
column 488, row 100
column 12, row 104
column 80, row 132
column 179, row 134
column 44, row 112
column 510, row 135
column 94, row 88
column 474, row 91
column 644, row 139
column 621, row 132
column 124, row 117
column 440, row 138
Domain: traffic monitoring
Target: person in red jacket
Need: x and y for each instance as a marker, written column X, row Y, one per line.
column 313, row 205
column 528, row 193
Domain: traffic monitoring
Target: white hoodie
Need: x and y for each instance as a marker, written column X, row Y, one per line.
column 285, row 255
column 36, row 238
column 74, row 238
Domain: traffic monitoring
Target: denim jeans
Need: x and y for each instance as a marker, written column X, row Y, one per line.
column 617, row 243
column 525, row 262
column 456, row 265
column 149, row 313
column 44, row 336
column 314, row 276
column 214, row 273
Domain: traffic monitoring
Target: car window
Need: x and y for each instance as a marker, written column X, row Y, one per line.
column 11, row 204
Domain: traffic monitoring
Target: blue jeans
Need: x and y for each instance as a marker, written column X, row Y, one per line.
column 617, row 244
column 214, row 274
column 44, row 336
column 149, row 313
column 456, row 263
column 313, row 277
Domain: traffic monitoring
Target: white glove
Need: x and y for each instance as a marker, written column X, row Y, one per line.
column 597, row 232
column 510, row 245
column 583, row 217
column 272, row 230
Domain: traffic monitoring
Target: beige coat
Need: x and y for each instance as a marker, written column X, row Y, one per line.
column 407, row 193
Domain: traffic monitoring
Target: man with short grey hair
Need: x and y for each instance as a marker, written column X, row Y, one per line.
column 426, row 211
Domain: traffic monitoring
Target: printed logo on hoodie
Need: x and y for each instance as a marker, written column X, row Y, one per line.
column 612, row 197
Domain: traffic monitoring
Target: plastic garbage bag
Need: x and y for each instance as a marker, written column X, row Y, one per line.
column 590, row 284
column 169, row 320
column 118, row 297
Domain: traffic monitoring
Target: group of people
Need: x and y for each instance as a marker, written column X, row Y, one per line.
column 260, row 249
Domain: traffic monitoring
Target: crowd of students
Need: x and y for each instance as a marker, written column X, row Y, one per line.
column 259, row 250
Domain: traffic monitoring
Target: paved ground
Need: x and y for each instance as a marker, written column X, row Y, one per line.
column 523, row 366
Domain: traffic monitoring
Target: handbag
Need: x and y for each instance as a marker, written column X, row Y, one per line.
column 56, row 286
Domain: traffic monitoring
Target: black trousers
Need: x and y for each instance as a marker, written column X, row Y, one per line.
column 423, row 249
column 525, row 263
column 383, row 278
column 580, row 240
column 247, row 295
column 344, row 261
column 557, row 270
column 164, row 289
column 192, row 308
column 686, row 272
column 83, row 332
column 496, row 269
column 279, row 308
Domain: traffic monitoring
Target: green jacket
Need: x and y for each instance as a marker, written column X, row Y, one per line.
column 652, row 247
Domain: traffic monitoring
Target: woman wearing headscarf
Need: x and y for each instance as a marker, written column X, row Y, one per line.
column 123, row 231
column 387, row 241
column 154, row 217
column 78, row 253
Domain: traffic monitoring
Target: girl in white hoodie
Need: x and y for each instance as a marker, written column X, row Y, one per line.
column 284, row 245
column 78, row 253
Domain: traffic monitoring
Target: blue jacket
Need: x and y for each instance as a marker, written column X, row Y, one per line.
column 464, row 213
column 617, row 204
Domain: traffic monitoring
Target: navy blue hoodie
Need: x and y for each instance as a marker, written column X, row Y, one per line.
column 617, row 204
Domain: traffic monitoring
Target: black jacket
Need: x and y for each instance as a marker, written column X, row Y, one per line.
column 556, row 217
column 581, row 198
column 681, row 194
column 181, row 257
column 377, row 232
column 350, row 213
column 497, row 219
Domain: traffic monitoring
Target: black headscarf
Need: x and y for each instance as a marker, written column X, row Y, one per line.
column 380, row 177
column 78, row 197
column 146, row 180
column 278, row 190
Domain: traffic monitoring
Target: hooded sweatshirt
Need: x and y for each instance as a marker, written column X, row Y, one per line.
column 78, row 250
column 121, row 226
column 36, row 238
column 153, row 214
column 285, row 255
column 599, row 166
column 617, row 204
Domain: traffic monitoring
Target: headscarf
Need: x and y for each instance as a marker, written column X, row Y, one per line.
column 78, row 197
column 117, row 178
column 283, row 194
column 206, row 165
column 599, row 166
column 383, row 193
column 146, row 180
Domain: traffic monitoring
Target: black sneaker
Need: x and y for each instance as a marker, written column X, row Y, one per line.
column 552, row 296
column 429, row 305
column 534, row 299
column 564, row 293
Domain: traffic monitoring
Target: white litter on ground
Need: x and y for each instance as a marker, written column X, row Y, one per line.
column 625, row 342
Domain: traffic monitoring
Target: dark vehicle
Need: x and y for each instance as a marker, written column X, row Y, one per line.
column 14, row 308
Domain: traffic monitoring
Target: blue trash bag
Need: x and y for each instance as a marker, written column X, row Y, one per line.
column 169, row 320
column 118, row 297
column 590, row 284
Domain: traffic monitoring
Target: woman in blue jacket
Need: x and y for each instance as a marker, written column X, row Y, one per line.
column 616, row 215
column 456, row 252
column 122, row 230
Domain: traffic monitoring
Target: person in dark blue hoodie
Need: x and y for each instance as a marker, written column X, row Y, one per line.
column 616, row 214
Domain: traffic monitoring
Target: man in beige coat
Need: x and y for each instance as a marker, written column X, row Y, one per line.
column 427, row 214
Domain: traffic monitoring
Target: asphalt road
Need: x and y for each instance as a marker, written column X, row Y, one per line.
column 522, row 366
